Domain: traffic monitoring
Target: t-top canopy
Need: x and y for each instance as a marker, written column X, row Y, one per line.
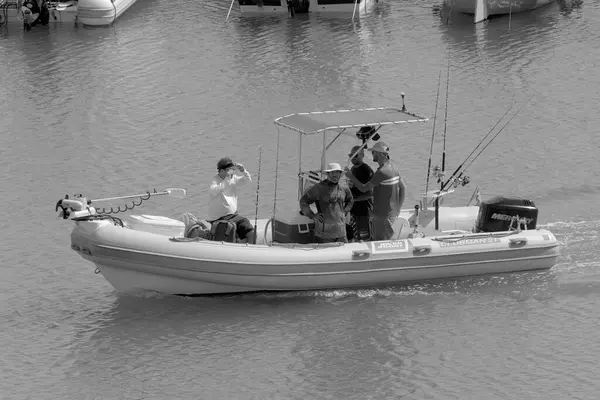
column 320, row 121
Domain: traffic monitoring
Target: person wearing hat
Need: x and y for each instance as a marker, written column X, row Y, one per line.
column 363, row 201
column 388, row 189
column 223, row 202
column 332, row 201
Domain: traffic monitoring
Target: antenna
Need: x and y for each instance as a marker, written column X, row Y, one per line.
column 403, row 106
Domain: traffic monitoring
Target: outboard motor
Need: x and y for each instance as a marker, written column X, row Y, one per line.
column 499, row 213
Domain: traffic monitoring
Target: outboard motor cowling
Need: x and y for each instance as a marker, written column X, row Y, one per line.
column 497, row 213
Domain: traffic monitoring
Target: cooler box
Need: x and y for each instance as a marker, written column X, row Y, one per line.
column 156, row 224
column 293, row 227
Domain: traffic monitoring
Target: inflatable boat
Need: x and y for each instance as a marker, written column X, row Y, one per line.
column 430, row 241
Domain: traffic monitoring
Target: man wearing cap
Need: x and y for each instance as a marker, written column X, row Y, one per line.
column 389, row 191
column 363, row 201
column 223, row 202
column 332, row 201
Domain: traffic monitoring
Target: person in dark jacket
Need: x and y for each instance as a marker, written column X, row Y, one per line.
column 363, row 201
column 332, row 201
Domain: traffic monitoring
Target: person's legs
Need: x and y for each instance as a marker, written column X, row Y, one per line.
column 382, row 227
column 362, row 228
column 245, row 230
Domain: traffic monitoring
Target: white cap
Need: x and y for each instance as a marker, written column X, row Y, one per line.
column 333, row 167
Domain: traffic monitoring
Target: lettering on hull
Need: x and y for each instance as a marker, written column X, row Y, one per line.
column 469, row 242
column 389, row 246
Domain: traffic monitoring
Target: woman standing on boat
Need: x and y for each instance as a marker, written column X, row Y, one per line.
column 333, row 202
column 389, row 191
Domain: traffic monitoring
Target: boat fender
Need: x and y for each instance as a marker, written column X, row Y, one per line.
column 421, row 250
column 518, row 241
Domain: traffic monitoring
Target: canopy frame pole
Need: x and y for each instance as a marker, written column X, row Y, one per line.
column 300, row 178
column 323, row 158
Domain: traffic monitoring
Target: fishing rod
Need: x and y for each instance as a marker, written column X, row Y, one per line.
column 485, row 147
column 257, row 191
column 476, row 147
column 441, row 182
column 433, row 133
column 446, row 120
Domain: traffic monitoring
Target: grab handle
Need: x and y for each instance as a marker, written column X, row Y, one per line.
column 518, row 241
column 300, row 230
column 361, row 253
column 421, row 250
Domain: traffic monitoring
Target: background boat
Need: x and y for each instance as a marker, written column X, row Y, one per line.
column 482, row 9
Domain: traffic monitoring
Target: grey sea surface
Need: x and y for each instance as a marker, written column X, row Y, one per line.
column 156, row 99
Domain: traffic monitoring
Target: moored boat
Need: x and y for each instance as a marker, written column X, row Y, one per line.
column 102, row 12
column 293, row 7
column 431, row 241
column 86, row 12
column 482, row 9
column 43, row 14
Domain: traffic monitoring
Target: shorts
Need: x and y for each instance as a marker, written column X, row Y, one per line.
column 382, row 227
column 242, row 226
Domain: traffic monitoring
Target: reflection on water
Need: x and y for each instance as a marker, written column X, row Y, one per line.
column 322, row 343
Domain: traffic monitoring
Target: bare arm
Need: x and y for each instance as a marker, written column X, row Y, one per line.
column 401, row 192
column 362, row 187
column 349, row 200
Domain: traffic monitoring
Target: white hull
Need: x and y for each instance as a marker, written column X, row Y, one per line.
column 482, row 9
column 102, row 12
column 133, row 261
column 363, row 7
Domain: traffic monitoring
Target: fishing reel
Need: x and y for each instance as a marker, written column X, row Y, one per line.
column 460, row 181
column 438, row 174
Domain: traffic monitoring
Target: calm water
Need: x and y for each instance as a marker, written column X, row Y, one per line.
column 156, row 99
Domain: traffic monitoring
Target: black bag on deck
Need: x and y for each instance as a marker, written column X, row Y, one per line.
column 225, row 229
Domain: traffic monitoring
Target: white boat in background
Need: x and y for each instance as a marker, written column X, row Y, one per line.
column 85, row 12
column 102, row 12
column 157, row 253
column 293, row 7
column 482, row 9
